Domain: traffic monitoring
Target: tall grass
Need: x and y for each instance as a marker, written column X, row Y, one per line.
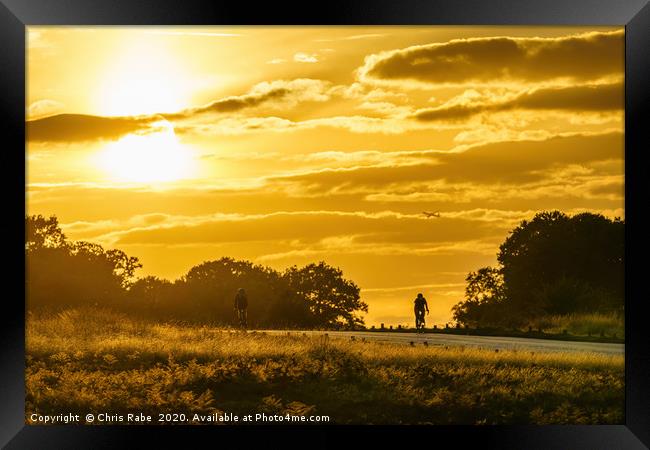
column 90, row 360
column 583, row 324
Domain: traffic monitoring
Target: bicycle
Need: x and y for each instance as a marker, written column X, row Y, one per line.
column 241, row 315
column 419, row 321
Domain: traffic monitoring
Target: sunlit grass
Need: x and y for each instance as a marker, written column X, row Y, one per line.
column 93, row 360
column 583, row 324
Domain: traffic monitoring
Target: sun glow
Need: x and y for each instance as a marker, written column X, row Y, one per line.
column 147, row 158
column 146, row 78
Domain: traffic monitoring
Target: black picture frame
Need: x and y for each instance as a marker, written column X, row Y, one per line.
column 15, row 15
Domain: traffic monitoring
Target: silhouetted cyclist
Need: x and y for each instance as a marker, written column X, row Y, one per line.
column 241, row 303
column 419, row 308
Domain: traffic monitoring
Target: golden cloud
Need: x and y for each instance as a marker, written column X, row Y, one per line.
column 323, row 227
column 586, row 98
column 502, row 162
column 79, row 127
column 581, row 57
column 278, row 93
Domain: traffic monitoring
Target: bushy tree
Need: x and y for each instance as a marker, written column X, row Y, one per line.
column 484, row 295
column 63, row 273
column 552, row 264
column 152, row 295
column 315, row 295
column 583, row 253
column 41, row 232
column 209, row 289
column 332, row 299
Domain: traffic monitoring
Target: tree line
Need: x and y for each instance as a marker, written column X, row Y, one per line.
column 553, row 264
column 61, row 274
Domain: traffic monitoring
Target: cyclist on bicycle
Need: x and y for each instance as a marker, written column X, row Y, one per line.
column 419, row 308
column 241, row 303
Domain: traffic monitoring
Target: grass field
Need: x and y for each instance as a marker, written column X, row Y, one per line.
column 585, row 324
column 97, row 361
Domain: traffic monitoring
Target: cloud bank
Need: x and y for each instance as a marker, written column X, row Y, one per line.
column 582, row 57
column 587, row 98
column 80, row 127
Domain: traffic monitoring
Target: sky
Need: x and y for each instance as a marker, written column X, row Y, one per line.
column 291, row 145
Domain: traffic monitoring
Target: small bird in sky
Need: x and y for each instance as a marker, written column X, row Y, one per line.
column 431, row 214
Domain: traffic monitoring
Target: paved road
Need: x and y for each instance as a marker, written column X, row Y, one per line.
column 487, row 342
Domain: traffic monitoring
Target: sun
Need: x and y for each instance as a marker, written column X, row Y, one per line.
column 144, row 78
column 148, row 158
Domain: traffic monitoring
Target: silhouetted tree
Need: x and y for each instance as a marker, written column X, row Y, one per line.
column 581, row 256
column 152, row 295
column 484, row 296
column 62, row 273
column 292, row 311
column 212, row 285
column 552, row 264
column 43, row 233
column 331, row 298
